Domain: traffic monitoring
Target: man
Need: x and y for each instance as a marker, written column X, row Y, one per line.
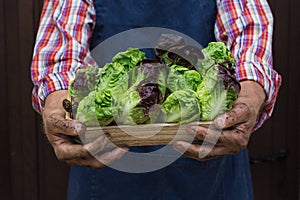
column 70, row 29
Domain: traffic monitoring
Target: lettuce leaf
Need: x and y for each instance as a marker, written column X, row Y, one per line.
column 86, row 111
column 218, row 52
column 181, row 78
column 172, row 50
column 113, row 81
column 219, row 87
column 147, row 90
column 83, row 83
column 182, row 106
column 130, row 58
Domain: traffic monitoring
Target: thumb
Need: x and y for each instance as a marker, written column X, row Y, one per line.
column 239, row 113
column 55, row 123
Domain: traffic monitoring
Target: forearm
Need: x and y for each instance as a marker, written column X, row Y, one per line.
column 252, row 94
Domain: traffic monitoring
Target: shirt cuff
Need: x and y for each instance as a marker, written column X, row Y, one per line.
column 49, row 84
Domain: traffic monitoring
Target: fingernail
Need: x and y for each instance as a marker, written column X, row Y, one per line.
column 192, row 131
column 177, row 148
column 80, row 128
column 184, row 145
column 220, row 122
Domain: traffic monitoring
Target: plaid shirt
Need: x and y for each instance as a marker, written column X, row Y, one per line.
column 65, row 30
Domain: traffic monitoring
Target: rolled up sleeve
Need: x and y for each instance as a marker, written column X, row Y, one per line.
column 62, row 45
column 247, row 29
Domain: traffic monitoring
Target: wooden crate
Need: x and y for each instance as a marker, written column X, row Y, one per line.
column 143, row 135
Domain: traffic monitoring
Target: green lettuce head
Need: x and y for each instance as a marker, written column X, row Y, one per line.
column 182, row 106
column 219, row 87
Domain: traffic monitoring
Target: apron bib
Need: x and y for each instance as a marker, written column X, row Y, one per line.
column 195, row 18
column 226, row 177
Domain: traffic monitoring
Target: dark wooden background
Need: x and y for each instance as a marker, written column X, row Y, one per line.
column 29, row 169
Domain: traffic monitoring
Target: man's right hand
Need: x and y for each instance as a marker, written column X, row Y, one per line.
column 60, row 133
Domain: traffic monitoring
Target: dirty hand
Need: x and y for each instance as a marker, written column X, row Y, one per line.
column 60, row 133
column 233, row 128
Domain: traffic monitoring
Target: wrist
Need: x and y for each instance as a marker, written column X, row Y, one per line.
column 253, row 94
column 53, row 103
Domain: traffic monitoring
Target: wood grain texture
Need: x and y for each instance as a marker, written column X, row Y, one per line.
column 14, row 103
column 5, row 172
column 143, row 135
column 293, row 85
column 26, row 171
column 28, row 132
column 275, row 180
column 281, row 12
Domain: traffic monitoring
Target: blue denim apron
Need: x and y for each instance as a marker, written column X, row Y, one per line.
column 226, row 177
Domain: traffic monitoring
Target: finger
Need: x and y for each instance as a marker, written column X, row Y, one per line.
column 97, row 145
column 205, row 151
column 69, row 151
column 58, row 124
column 186, row 149
column 109, row 157
column 90, row 161
column 191, row 150
column 205, row 134
column 238, row 114
column 202, row 152
column 100, row 161
column 236, row 139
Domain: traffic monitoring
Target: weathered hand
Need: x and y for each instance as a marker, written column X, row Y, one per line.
column 232, row 129
column 60, row 133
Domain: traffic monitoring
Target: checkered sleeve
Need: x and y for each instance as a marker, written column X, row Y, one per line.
column 247, row 28
column 62, row 45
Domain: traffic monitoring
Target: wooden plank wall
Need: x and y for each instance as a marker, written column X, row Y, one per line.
column 29, row 169
column 4, row 148
column 279, row 180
